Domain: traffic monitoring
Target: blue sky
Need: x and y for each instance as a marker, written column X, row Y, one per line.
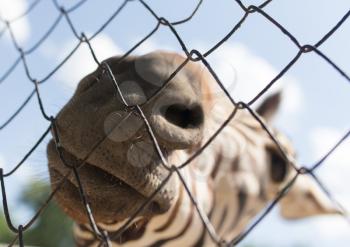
column 314, row 112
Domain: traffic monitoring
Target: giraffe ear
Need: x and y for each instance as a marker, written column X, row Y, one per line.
column 269, row 106
column 305, row 199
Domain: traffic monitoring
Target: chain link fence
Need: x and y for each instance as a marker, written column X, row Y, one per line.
column 173, row 169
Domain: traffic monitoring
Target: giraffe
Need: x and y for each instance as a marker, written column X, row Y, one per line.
column 234, row 178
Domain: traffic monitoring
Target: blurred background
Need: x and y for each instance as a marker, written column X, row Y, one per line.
column 314, row 113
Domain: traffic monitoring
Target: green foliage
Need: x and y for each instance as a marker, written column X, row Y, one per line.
column 51, row 229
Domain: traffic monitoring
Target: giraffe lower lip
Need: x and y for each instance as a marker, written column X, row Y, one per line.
column 97, row 177
column 109, row 196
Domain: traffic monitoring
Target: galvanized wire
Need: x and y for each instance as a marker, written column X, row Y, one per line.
column 174, row 170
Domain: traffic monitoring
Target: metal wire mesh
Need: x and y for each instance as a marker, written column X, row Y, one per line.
column 173, row 170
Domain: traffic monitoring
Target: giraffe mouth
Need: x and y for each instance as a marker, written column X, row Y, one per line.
column 110, row 197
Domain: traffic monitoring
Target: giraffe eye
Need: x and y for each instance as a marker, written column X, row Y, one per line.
column 278, row 166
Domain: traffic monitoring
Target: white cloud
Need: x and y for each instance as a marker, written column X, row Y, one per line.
column 150, row 46
column 82, row 62
column 245, row 74
column 332, row 227
column 10, row 9
column 251, row 72
column 293, row 97
column 323, row 138
column 335, row 171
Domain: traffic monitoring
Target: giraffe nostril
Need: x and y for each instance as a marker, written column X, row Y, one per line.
column 184, row 116
column 177, row 124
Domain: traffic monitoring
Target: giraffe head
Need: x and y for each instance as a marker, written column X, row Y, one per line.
column 125, row 169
